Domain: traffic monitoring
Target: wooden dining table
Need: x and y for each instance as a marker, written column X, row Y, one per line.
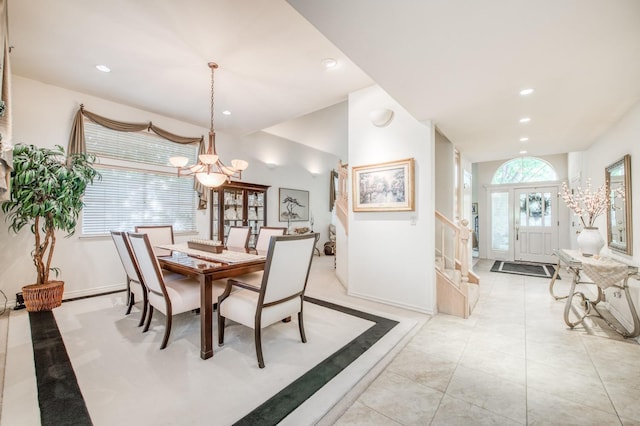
column 207, row 267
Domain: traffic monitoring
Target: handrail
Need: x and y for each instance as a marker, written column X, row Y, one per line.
column 445, row 219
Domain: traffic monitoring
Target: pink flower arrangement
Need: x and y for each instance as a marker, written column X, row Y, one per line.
column 589, row 205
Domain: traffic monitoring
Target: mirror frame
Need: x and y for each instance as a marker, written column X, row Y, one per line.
column 625, row 162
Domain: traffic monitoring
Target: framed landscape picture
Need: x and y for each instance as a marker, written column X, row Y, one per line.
column 294, row 205
column 384, row 187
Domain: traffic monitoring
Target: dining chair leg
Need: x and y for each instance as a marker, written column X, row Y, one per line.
column 146, row 326
column 145, row 302
column 301, row 326
column 167, row 331
column 220, row 330
column 130, row 298
column 258, row 339
column 132, row 301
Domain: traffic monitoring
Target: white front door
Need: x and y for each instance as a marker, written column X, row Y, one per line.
column 536, row 223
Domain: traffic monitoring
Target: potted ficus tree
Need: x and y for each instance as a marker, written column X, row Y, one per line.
column 46, row 194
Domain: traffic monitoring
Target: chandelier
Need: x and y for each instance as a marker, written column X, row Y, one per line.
column 210, row 171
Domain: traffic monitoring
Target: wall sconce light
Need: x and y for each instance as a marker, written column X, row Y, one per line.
column 271, row 165
column 381, row 117
column 315, row 174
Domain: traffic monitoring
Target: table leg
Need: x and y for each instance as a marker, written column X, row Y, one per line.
column 567, row 305
column 553, row 281
column 634, row 314
column 206, row 318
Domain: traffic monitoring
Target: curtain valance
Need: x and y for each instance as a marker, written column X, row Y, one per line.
column 77, row 143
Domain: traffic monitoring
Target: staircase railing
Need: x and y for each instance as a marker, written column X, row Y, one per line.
column 452, row 246
column 447, row 241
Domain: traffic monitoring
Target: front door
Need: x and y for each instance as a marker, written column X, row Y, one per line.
column 536, row 223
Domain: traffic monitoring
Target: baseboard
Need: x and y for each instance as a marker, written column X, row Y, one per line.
column 95, row 291
column 392, row 303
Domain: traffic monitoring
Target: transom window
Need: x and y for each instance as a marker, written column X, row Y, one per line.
column 524, row 169
column 138, row 187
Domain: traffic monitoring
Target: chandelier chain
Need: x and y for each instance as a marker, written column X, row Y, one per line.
column 212, row 91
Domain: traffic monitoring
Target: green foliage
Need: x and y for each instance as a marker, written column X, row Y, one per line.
column 524, row 169
column 46, row 193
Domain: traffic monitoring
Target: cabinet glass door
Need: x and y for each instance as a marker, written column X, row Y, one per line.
column 215, row 212
column 233, row 211
column 255, row 214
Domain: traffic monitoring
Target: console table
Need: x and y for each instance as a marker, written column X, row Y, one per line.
column 604, row 273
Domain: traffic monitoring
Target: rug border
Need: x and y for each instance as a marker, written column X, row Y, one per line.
column 283, row 403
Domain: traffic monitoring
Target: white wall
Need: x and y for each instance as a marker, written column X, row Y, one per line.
column 391, row 254
column 619, row 140
column 444, row 175
column 43, row 115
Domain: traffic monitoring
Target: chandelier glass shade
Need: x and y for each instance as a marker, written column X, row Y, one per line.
column 210, row 171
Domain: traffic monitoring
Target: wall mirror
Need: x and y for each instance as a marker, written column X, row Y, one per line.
column 619, row 229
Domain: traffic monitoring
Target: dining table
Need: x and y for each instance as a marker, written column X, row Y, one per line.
column 207, row 267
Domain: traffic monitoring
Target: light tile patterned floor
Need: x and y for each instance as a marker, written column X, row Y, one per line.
column 513, row 362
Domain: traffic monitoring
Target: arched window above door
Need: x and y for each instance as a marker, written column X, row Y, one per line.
column 524, row 169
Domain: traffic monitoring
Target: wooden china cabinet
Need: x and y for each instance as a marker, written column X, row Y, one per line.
column 238, row 204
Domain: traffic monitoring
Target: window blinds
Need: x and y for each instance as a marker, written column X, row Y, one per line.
column 138, row 190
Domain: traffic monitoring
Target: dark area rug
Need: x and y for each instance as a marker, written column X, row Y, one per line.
column 541, row 270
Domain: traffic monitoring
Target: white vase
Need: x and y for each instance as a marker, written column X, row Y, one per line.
column 590, row 241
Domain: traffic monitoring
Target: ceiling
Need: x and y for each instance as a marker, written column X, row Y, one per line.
column 460, row 64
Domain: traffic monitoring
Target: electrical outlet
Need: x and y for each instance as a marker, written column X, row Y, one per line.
column 19, row 302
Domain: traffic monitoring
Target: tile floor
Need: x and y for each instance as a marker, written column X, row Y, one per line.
column 513, row 362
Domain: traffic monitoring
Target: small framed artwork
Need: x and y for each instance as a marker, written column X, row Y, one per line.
column 384, row 187
column 474, row 208
column 294, row 205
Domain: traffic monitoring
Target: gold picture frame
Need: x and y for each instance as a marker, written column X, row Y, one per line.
column 384, row 187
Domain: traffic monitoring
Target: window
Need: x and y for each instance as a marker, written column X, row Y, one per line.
column 137, row 186
column 524, row 169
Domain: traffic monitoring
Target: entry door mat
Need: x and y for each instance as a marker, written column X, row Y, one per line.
column 540, row 270
column 115, row 369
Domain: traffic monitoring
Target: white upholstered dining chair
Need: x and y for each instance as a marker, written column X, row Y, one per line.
column 238, row 237
column 136, row 291
column 264, row 236
column 280, row 294
column 158, row 235
column 169, row 297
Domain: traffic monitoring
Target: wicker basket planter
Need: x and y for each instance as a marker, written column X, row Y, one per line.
column 43, row 297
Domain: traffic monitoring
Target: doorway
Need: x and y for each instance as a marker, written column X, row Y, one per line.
column 536, row 224
column 523, row 223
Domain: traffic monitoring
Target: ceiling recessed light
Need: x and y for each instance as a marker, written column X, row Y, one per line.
column 525, row 119
column 524, row 139
column 329, row 63
column 523, row 152
column 226, row 112
column 103, row 68
column 525, row 92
